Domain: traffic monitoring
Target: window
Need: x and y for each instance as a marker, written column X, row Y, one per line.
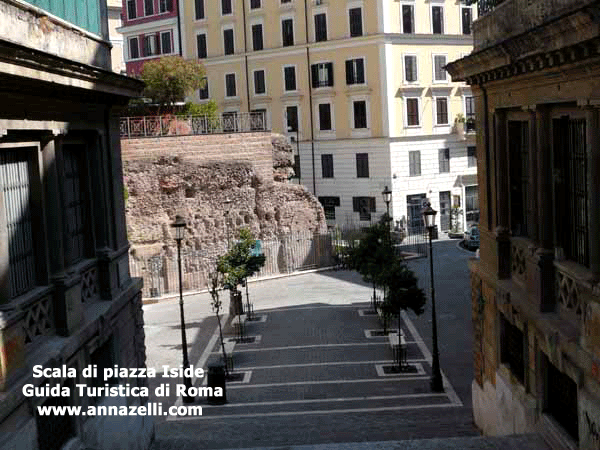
column 512, row 348
column 414, row 206
column 166, row 5
column 472, row 204
column 287, row 32
column 445, row 216
column 165, row 42
column 320, row 27
column 199, row 9
column 324, row 116
column 226, row 7
column 518, row 148
column 437, row 19
column 470, row 113
column 329, row 205
column 444, row 157
column 360, row 114
column 203, row 91
column 327, row 166
column 355, row 71
column 230, row 90
column 201, row 44
column 561, row 401
column 471, row 156
column 150, row 47
column 362, row 165
column 439, row 73
column 408, row 19
column 410, row 68
column 74, row 200
column 412, row 112
column 286, row 1
column 291, row 117
column 228, row 46
column 134, row 48
column 322, row 75
column 258, row 119
column 571, row 188
column 289, row 75
column 364, row 206
column 255, row 4
column 441, row 111
column 467, row 19
column 131, row 9
column 355, row 17
column 414, row 163
column 148, row 7
column 17, row 219
column 259, row 82
column 257, row 37
column 297, row 166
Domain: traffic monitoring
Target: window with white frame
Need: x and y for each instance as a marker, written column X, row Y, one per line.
column 165, row 6
column 199, row 9
column 291, row 118
column 470, row 113
column 287, row 32
column 226, row 7
column 166, row 46
column 286, row 1
column 439, row 72
column 410, row 69
column 289, row 78
column 320, row 27
column 327, row 165
column 259, row 82
column 230, row 88
column 362, row 165
column 441, row 110
column 359, row 109
column 408, row 18
column 203, row 91
column 228, row 42
column 255, row 4
column 257, row 37
column 355, row 18
column 355, row 71
column 412, row 112
column 444, row 159
column 148, row 7
column 131, row 9
column 134, row 48
column 437, row 19
column 322, row 74
column 414, row 163
column 471, row 156
column 201, row 45
column 466, row 16
column 325, row 116
column 150, row 45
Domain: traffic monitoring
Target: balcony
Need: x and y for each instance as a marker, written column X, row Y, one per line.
column 157, row 126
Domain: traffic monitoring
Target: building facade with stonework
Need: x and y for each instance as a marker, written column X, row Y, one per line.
column 359, row 84
column 66, row 297
column 535, row 74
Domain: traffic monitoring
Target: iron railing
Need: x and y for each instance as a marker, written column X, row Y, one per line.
column 181, row 125
column 484, row 6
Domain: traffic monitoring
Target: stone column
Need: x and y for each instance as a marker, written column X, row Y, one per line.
column 593, row 169
column 544, row 274
column 532, row 216
column 502, row 190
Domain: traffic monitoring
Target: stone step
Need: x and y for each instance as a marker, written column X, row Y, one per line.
column 514, row 442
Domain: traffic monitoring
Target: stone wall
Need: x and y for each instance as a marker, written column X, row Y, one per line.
column 252, row 148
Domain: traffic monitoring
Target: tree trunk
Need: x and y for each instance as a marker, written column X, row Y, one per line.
column 235, row 303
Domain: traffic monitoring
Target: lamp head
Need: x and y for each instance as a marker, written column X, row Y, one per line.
column 429, row 216
column 387, row 195
column 179, row 226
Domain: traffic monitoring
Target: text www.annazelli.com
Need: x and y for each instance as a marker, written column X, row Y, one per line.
column 151, row 409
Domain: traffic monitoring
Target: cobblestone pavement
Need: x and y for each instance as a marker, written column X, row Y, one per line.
column 312, row 374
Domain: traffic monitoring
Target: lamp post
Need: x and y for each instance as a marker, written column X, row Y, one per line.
column 179, row 226
column 227, row 203
column 437, row 385
column 387, row 198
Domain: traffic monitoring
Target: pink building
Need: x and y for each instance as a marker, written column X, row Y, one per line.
column 150, row 30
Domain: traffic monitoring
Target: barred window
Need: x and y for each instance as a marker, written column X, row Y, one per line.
column 512, row 348
column 15, row 188
column 518, row 147
column 329, row 205
column 561, row 401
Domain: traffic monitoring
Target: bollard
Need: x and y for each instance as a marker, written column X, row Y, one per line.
column 216, row 378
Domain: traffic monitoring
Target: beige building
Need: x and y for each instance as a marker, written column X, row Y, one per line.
column 360, row 84
column 116, row 39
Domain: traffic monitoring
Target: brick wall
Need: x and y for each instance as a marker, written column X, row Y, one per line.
column 254, row 148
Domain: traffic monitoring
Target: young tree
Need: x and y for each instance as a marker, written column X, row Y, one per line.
column 238, row 264
column 171, row 78
column 215, row 279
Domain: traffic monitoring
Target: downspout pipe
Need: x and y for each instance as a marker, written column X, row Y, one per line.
column 246, row 56
column 310, row 101
column 179, row 28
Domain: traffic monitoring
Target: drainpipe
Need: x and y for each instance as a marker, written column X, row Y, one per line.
column 310, row 102
column 246, row 57
column 179, row 28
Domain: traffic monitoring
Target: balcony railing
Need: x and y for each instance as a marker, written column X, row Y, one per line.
column 156, row 126
column 485, row 6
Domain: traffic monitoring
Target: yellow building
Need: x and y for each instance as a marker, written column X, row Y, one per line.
column 360, row 85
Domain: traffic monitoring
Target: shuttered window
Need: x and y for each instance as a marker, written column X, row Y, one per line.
column 414, row 163
column 230, row 90
column 327, row 165
column 441, row 111
column 324, row 116
column 201, row 43
column 320, row 27
column 287, row 32
column 408, row 19
column 16, row 219
column 355, row 71
column 362, row 165
column 226, row 7
column 257, row 37
column 360, row 114
column 259, row 82
column 410, row 68
column 199, row 9
column 444, row 157
column 322, row 75
column 412, row 111
column 355, row 17
column 228, row 45
column 289, row 74
column 437, row 19
column 439, row 73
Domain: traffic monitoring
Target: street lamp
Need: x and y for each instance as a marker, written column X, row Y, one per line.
column 179, row 226
column 437, row 385
column 227, row 203
column 387, row 198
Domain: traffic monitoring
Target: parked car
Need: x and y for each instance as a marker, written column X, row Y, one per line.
column 472, row 237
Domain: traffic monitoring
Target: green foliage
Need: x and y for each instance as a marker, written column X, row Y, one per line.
column 215, row 281
column 200, row 109
column 375, row 259
column 125, row 193
column 239, row 263
column 171, row 78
